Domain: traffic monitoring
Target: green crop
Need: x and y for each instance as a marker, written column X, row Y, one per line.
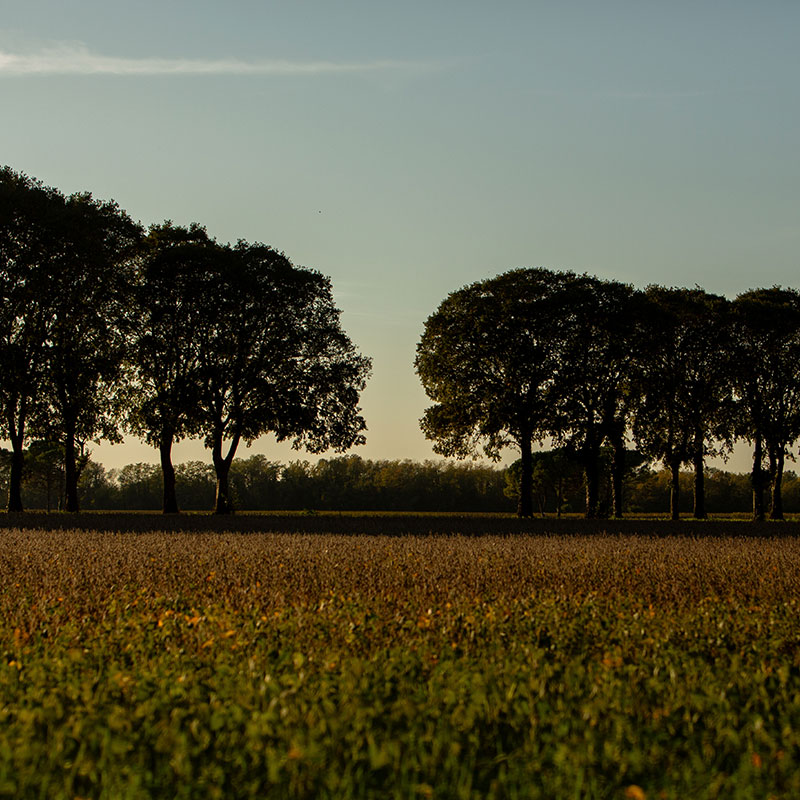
column 303, row 666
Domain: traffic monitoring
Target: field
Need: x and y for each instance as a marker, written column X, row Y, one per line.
column 196, row 664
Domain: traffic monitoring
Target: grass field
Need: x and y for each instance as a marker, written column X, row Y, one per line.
column 196, row 664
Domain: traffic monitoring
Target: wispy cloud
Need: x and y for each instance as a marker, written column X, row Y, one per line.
column 77, row 59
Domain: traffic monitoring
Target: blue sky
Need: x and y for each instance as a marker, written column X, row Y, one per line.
column 406, row 149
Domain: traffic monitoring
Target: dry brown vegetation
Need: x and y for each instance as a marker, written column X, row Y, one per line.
column 266, row 570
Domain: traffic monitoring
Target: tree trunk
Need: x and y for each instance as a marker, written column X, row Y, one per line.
column 525, row 502
column 560, row 497
column 222, row 501
column 776, row 512
column 70, row 473
column 592, row 474
column 757, row 480
column 542, row 497
column 617, row 474
column 222, row 467
column 15, row 476
column 170, row 504
column 699, row 511
column 15, row 482
column 675, row 491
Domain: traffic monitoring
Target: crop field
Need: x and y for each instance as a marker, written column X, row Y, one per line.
column 201, row 664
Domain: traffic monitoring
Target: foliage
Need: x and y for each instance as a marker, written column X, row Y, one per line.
column 174, row 335
column 276, row 361
column 488, row 358
column 30, row 252
column 596, row 351
column 340, row 484
column 65, row 276
column 767, row 346
column 87, row 341
column 683, row 402
column 176, row 304
column 222, row 665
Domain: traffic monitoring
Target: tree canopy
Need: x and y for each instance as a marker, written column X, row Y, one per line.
column 169, row 335
column 175, row 302
column 488, row 358
column 533, row 355
column 766, row 330
column 65, row 270
column 684, row 404
column 276, row 361
column 172, row 335
column 529, row 355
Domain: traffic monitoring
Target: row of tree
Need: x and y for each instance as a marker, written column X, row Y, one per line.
column 255, row 483
column 558, row 486
column 350, row 483
column 107, row 328
column 534, row 355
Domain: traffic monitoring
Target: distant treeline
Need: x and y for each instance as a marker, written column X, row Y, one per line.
column 344, row 483
column 351, row 483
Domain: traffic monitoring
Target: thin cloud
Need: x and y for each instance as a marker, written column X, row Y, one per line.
column 79, row 60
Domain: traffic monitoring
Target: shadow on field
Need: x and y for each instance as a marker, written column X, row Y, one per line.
column 390, row 524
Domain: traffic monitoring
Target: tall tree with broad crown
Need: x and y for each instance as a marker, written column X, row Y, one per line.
column 176, row 305
column 276, row 360
column 599, row 330
column 64, row 278
column 88, row 337
column 684, row 399
column 488, row 358
column 29, row 249
column 767, row 384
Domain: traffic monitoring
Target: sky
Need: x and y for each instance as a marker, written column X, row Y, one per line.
column 408, row 149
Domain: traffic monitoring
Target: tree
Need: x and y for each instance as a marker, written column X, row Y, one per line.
column 138, row 486
column 488, row 358
column 596, row 355
column 276, row 360
column 176, row 305
column 97, row 487
column 684, row 401
column 31, row 250
column 254, row 482
column 767, row 384
column 555, row 474
column 44, row 470
column 89, row 307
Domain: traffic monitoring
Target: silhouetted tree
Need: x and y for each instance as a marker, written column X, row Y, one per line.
column 254, row 482
column 276, row 360
column 767, row 381
column 488, row 358
column 596, row 351
column 31, row 253
column 555, row 475
column 89, row 304
column 684, row 401
column 96, row 487
column 44, row 470
column 176, row 303
column 139, row 486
